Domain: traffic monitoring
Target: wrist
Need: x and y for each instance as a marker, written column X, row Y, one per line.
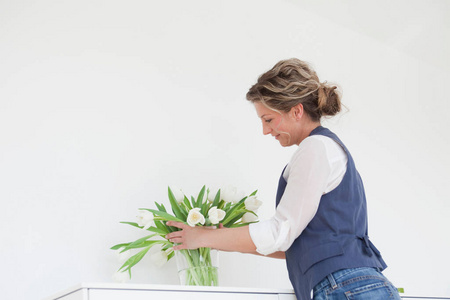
column 206, row 237
column 200, row 240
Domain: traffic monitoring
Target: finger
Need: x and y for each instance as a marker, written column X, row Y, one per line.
column 174, row 234
column 220, row 225
column 179, row 247
column 176, row 224
column 176, row 240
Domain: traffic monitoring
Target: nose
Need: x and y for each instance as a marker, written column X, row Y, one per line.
column 266, row 128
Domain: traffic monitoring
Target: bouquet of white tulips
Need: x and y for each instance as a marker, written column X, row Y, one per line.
column 226, row 207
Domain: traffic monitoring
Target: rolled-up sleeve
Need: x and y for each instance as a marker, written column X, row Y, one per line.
column 307, row 175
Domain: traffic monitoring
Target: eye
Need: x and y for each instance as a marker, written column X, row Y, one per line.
column 268, row 120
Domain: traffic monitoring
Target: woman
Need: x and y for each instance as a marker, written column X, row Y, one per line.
column 320, row 224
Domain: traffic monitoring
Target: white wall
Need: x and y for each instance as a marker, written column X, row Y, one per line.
column 103, row 104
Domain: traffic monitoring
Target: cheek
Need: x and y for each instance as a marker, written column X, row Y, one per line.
column 280, row 124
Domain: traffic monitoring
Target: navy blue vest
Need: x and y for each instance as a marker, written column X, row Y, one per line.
column 336, row 238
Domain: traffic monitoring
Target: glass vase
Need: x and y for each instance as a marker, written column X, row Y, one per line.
column 198, row 266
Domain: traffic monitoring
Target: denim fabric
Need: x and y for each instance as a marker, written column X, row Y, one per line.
column 355, row 284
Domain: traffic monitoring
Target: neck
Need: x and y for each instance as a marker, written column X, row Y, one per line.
column 313, row 126
column 306, row 130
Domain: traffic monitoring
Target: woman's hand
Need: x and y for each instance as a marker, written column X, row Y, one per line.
column 187, row 238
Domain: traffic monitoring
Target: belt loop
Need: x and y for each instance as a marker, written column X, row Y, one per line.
column 332, row 281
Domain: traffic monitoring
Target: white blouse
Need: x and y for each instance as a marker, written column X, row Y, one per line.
column 316, row 168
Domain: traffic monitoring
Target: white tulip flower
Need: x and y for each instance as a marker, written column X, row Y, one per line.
column 249, row 217
column 231, row 194
column 178, row 194
column 121, row 277
column 216, row 215
column 212, row 194
column 195, row 217
column 252, row 203
column 145, row 218
column 159, row 258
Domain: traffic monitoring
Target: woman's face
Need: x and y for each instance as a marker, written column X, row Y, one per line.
column 280, row 126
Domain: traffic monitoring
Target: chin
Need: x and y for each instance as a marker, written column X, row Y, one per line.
column 283, row 144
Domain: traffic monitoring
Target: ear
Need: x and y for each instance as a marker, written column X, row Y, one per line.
column 297, row 111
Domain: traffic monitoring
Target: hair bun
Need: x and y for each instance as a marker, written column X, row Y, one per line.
column 329, row 100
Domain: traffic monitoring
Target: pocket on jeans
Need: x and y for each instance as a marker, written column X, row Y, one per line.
column 374, row 291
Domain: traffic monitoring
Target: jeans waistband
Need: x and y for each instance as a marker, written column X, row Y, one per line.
column 332, row 280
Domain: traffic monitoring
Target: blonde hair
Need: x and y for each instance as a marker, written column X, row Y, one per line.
column 291, row 82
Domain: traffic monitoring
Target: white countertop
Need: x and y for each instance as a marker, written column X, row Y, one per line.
column 160, row 287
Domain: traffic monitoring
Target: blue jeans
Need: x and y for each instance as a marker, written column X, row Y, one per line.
column 355, row 284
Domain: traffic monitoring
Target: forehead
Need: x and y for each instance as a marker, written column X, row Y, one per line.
column 262, row 110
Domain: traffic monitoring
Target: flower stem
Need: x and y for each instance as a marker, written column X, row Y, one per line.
column 199, row 269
